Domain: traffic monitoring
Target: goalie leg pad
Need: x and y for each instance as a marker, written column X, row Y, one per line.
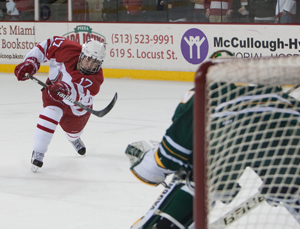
column 292, row 205
column 164, row 223
column 173, row 209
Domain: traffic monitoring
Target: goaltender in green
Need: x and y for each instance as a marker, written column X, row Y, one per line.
column 269, row 146
column 152, row 162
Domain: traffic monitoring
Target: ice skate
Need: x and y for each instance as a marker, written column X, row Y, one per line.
column 79, row 146
column 36, row 161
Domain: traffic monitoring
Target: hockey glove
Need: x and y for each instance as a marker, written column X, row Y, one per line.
column 30, row 65
column 135, row 151
column 55, row 89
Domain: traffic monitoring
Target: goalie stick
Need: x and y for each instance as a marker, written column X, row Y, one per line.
column 239, row 211
column 293, row 89
column 99, row 113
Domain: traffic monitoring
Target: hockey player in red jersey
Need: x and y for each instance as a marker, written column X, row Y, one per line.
column 75, row 71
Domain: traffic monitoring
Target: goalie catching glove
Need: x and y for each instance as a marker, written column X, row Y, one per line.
column 143, row 162
column 30, row 65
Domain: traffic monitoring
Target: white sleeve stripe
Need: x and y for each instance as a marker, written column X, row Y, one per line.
column 163, row 152
column 255, row 109
column 177, row 146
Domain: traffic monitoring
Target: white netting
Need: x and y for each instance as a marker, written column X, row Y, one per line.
column 259, row 71
column 253, row 134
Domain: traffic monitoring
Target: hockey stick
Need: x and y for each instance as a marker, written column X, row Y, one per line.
column 239, row 211
column 99, row 113
column 293, row 89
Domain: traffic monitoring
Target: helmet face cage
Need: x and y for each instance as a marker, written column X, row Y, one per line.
column 88, row 65
column 91, row 57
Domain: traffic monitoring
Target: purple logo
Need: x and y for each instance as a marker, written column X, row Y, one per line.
column 194, row 46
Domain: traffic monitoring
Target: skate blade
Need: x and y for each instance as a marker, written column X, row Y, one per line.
column 34, row 168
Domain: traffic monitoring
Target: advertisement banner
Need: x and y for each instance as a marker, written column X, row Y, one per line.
column 162, row 47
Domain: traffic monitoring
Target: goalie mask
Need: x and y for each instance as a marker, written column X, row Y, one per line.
column 91, row 57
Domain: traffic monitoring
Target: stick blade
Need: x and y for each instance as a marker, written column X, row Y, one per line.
column 107, row 109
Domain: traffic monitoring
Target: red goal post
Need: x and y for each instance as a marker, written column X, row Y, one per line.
column 270, row 72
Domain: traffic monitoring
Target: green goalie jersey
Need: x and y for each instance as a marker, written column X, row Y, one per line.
column 176, row 148
column 250, row 126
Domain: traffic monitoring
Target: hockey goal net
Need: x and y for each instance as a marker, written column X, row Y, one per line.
column 247, row 144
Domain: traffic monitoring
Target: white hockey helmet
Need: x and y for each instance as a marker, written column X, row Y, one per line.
column 92, row 56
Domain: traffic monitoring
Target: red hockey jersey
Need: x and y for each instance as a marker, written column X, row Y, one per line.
column 63, row 56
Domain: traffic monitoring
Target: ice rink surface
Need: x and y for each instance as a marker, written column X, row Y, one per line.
column 97, row 190
column 71, row 191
